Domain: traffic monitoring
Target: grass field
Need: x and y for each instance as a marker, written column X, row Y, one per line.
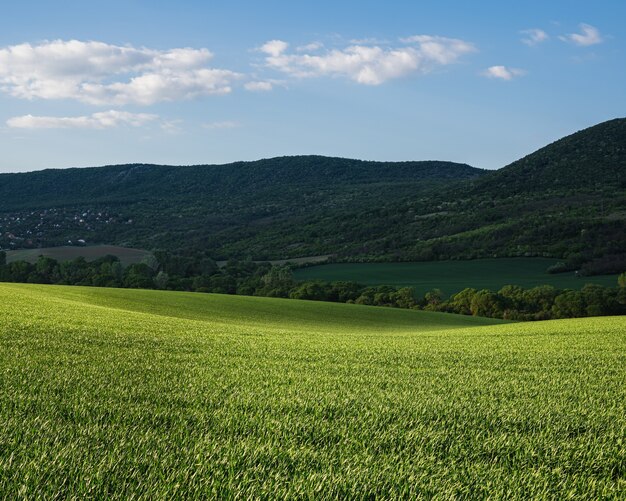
column 110, row 393
column 453, row 276
column 67, row 253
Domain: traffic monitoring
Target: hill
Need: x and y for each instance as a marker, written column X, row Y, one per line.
column 140, row 182
column 219, row 208
column 591, row 159
column 566, row 200
column 127, row 394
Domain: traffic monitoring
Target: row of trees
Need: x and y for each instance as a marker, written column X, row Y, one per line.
column 107, row 271
column 201, row 274
column 539, row 303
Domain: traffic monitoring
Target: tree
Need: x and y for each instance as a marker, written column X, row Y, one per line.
column 316, row 291
column 569, row 304
column 139, row 276
column 539, row 299
column 404, row 297
column 151, row 261
column 278, row 282
column 461, row 302
column 433, row 299
column 486, row 304
column 599, row 300
column 513, row 296
column 76, row 272
column 18, row 271
column 224, row 284
column 343, row 292
column 161, row 280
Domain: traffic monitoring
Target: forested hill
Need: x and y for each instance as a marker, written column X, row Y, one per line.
column 566, row 200
column 136, row 182
column 591, row 159
column 276, row 207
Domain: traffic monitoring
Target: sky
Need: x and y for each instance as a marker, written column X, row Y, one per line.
column 198, row 82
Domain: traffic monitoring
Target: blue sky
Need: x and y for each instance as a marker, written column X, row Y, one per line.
column 484, row 82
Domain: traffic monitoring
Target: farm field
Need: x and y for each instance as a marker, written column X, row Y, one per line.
column 67, row 253
column 454, row 276
column 113, row 393
column 296, row 260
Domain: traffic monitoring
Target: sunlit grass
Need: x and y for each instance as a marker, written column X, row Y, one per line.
column 147, row 394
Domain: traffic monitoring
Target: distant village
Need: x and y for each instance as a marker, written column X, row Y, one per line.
column 53, row 227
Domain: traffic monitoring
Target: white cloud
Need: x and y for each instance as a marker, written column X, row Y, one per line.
column 369, row 64
column 503, row 72
column 274, row 47
column 534, row 36
column 228, row 124
column 440, row 50
column 589, row 35
column 103, row 74
column 102, row 120
column 259, row 86
column 313, row 46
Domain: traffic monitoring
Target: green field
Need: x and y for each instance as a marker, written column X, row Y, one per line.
column 454, row 276
column 67, row 253
column 112, row 393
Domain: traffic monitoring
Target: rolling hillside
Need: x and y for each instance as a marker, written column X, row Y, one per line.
column 214, row 207
column 118, row 394
column 567, row 200
column 282, row 175
column 591, row 159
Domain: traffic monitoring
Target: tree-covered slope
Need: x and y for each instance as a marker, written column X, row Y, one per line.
column 282, row 176
column 591, row 159
column 567, row 200
column 228, row 210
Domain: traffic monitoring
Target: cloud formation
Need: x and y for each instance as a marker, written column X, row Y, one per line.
column 503, row 72
column 368, row 64
column 102, row 120
column 534, row 36
column 589, row 35
column 102, row 74
column 258, row 86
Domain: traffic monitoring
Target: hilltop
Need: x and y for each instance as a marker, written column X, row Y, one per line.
column 591, row 159
column 259, row 179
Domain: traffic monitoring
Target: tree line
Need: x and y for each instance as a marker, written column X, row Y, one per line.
column 168, row 271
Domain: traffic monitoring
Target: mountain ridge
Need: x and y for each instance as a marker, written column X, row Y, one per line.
column 208, row 178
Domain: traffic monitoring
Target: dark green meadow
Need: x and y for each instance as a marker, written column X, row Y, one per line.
column 454, row 276
column 119, row 394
